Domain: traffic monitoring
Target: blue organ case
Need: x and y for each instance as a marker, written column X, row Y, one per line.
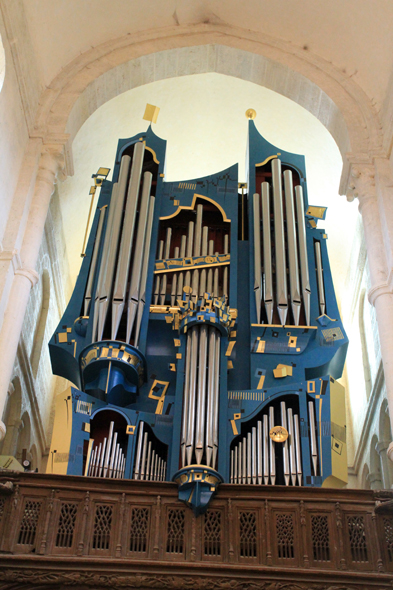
column 203, row 336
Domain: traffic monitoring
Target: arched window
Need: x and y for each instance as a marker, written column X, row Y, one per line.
column 39, row 336
column 2, row 64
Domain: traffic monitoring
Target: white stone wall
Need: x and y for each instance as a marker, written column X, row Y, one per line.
column 34, row 375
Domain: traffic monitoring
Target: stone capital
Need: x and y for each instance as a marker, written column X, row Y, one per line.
column 390, row 451
column 382, row 446
column 374, row 477
column 30, row 274
column 361, row 184
column 377, row 291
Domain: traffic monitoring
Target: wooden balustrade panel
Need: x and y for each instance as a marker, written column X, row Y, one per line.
column 264, row 528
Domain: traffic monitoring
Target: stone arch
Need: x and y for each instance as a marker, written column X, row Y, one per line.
column 11, row 418
column 39, row 335
column 363, row 341
column 317, row 85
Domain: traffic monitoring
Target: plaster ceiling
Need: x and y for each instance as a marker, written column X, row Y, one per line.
column 202, row 117
column 355, row 35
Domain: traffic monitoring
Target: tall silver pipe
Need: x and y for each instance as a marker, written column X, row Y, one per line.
column 148, row 461
column 281, row 267
column 123, row 263
column 236, row 461
column 201, row 399
column 180, row 279
column 225, row 270
column 186, row 400
column 192, row 398
column 109, row 271
column 265, row 449
column 104, row 256
column 298, row 451
column 166, row 256
column 210, row 397
column 155, row 467
column 314, row 448
column 292, row 248
column 232, row 466
column 112, row 455
column 301, row 228
column 144, row 451
column 267, row 252
column 137, row 266
column 216, row 401
column 285, row 444
column 122, row 466
column 216, row 280
column 158, row 277
column 321, row 288
column 189, row 252
column 202, row 282
column 259, row 452
column 240, row 463
column 116, row 462
column 197, row 251
column 142, row 286
column 97, row 461
column 272, row 449
column 210, row 270
column 137, row 467
column 153, row 459
column 292, row 446
column 254, row 455
column 244, row 460
column 93, row 264
column 108, row 449
column 90, row 461
column 249, row 457
column 174, row 279
column 257, row 257
column 101, row 465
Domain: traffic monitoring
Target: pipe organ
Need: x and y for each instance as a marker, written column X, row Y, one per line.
column 203, row 338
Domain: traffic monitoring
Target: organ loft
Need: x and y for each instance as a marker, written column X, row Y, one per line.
column 205, row 428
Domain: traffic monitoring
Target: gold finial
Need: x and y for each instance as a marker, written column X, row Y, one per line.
column 251, row 113
column 151, row 113
column 278, row 434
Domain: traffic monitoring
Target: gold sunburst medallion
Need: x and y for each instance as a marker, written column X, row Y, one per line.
column 278, row 434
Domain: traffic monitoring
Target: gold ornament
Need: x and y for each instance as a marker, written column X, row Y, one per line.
column 278, row 434
column 251, row 113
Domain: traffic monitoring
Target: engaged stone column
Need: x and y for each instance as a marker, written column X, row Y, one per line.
column 26, row 277
column 375, row 480
column 381, row 449
column 362, row 187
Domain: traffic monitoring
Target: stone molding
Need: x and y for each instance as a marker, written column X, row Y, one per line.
column 377, row 291
column 361, row 184
column 381, row 446
column 13, row 257
column 30, row 274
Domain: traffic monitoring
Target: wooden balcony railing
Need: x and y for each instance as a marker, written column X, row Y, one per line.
column 72, row 530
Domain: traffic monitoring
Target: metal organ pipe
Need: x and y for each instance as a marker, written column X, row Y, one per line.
column 158, row 277
column 197, row 251
column 292, row 248
column 123, row 264
column 180, row 279
column 285, row 444
column 186, row 396
column 314, row 448
column 292, row 446
column 210, row 397
column 92, row 270
column 166, row 256
column 298, row 451
column 257, row 256
column 189, row 250
column 174, row 279
column 137, row 268
column 145, row 263
column 306, row 290
column 267, row 252
column 109, row 269
column 225, row 271
column 281, row 268
column 321, row 288
column 202, row 282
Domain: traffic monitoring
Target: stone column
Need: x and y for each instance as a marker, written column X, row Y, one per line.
column 362, row 187
column 375, row 480
column 26, row 276
column 381, row 449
